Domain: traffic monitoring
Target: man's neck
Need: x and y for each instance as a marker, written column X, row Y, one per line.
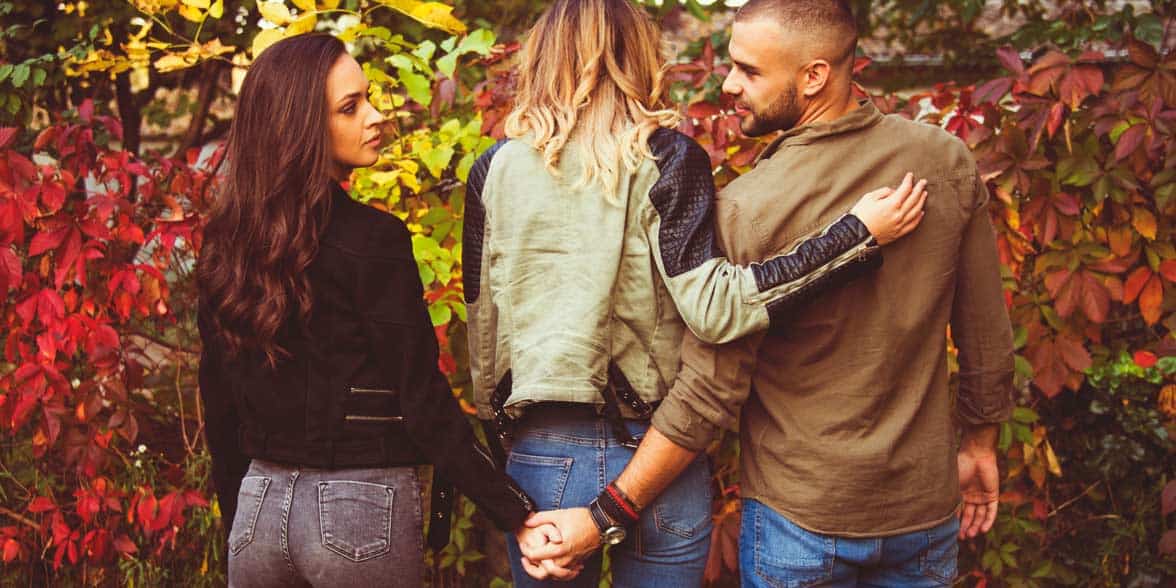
column 828, row 111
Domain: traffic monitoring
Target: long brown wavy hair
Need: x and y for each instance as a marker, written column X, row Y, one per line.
column 275, row 201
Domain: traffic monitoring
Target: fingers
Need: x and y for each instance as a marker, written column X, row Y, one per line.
column 557, row 571
column 915, row 199
column 967, row 516
column 990, row 519
column 551, row 533
column 977, row 518
column 879, row 194
column 533, row 570
column 903, row 191
column 914, row 213
column 545, row 551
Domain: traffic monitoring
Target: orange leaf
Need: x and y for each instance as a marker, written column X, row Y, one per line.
column 1145, row 222
column 1135, row 283
column 1151, row 300
column 1168, row 270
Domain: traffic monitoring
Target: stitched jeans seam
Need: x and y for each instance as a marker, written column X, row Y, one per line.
column 286, row 522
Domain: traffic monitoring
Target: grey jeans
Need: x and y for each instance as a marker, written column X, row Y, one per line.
column 311, row 527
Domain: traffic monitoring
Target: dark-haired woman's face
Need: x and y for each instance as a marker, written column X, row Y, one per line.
column 354, row 123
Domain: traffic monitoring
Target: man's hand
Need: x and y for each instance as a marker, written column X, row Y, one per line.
column 562, row 561
column 548, row 537
column 979, row 481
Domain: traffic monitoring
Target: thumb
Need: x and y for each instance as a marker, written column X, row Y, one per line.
column 539, row 519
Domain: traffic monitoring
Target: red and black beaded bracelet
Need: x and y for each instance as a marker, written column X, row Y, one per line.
column 618, row 506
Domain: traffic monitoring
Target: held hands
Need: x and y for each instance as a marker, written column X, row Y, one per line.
column 576, row 539
column 891, row 213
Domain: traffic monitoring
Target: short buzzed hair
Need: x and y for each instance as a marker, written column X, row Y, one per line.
column 828, row 20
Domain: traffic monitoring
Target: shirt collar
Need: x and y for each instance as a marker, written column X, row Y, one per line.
column 866, row 115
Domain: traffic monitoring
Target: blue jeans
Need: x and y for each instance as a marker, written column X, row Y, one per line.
column 303, row 527
column 563, row 459
column 775, row 552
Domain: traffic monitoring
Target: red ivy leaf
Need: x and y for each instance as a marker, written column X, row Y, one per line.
column 7, row 134
column 41, row 504
column 1144, row 359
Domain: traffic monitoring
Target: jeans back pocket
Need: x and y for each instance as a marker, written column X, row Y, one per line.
column 249, row 499
column 542, row 477
column 356, row 518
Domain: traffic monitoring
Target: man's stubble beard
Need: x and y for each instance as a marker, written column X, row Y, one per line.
column 780, row 115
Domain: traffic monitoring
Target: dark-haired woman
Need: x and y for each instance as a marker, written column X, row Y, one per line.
column 319, row 370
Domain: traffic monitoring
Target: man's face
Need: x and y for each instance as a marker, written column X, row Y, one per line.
column 763, row 78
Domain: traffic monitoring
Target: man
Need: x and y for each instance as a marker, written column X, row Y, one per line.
column 851, row 473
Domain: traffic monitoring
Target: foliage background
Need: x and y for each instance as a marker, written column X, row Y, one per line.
column 112, row 115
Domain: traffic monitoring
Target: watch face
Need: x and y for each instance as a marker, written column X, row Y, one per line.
column 613, row 535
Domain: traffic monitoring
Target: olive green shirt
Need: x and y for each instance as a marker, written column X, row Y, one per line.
column 846, row 421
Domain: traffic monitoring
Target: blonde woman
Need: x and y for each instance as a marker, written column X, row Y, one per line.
column 589, row 248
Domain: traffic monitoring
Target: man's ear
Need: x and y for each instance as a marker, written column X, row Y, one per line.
column 815, row 77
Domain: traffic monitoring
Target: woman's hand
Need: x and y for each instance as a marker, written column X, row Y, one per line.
column 891, row 213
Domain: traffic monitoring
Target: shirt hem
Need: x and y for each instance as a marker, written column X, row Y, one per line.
column 800, row 522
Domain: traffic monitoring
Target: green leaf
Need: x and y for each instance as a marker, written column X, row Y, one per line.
column 1043, row 571
column 400, row 61
column 464, row 166
column 425, row 50
column 1006, row 437
column 479, row 41
column 440, row 314
column 5, row 71
column 39, row 76
column 418, row 86
column 20, row 74
column 1022, row 414
column 1023, row 433
column 437, row 159
column 448, row 64
column 434, row 216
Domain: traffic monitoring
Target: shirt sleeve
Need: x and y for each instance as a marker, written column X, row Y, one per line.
column 718, row 300
column 221, row 422
column 980, row 324
column 713, row 383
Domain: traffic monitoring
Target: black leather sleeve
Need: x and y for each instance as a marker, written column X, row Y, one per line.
column 221, row 422
column 684, row 198
column 433, row 418
column 474, row 224
column 818, row 263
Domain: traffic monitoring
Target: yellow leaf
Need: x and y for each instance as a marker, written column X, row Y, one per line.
column 1051, row 460
column 275, row 12
column 304, row 5
column 214, row 48
column 330, row 4
column 265, row 39
column 217, row 10
column 304, row 24
column 433, row 14
column 1144, row 222
column 191, row 13
column 201, row 4
column 143, row 30
column 173, row 62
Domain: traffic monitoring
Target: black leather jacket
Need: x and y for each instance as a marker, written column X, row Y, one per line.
column 361, row 387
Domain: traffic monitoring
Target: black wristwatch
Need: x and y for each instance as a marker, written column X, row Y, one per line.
column 610, row 532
